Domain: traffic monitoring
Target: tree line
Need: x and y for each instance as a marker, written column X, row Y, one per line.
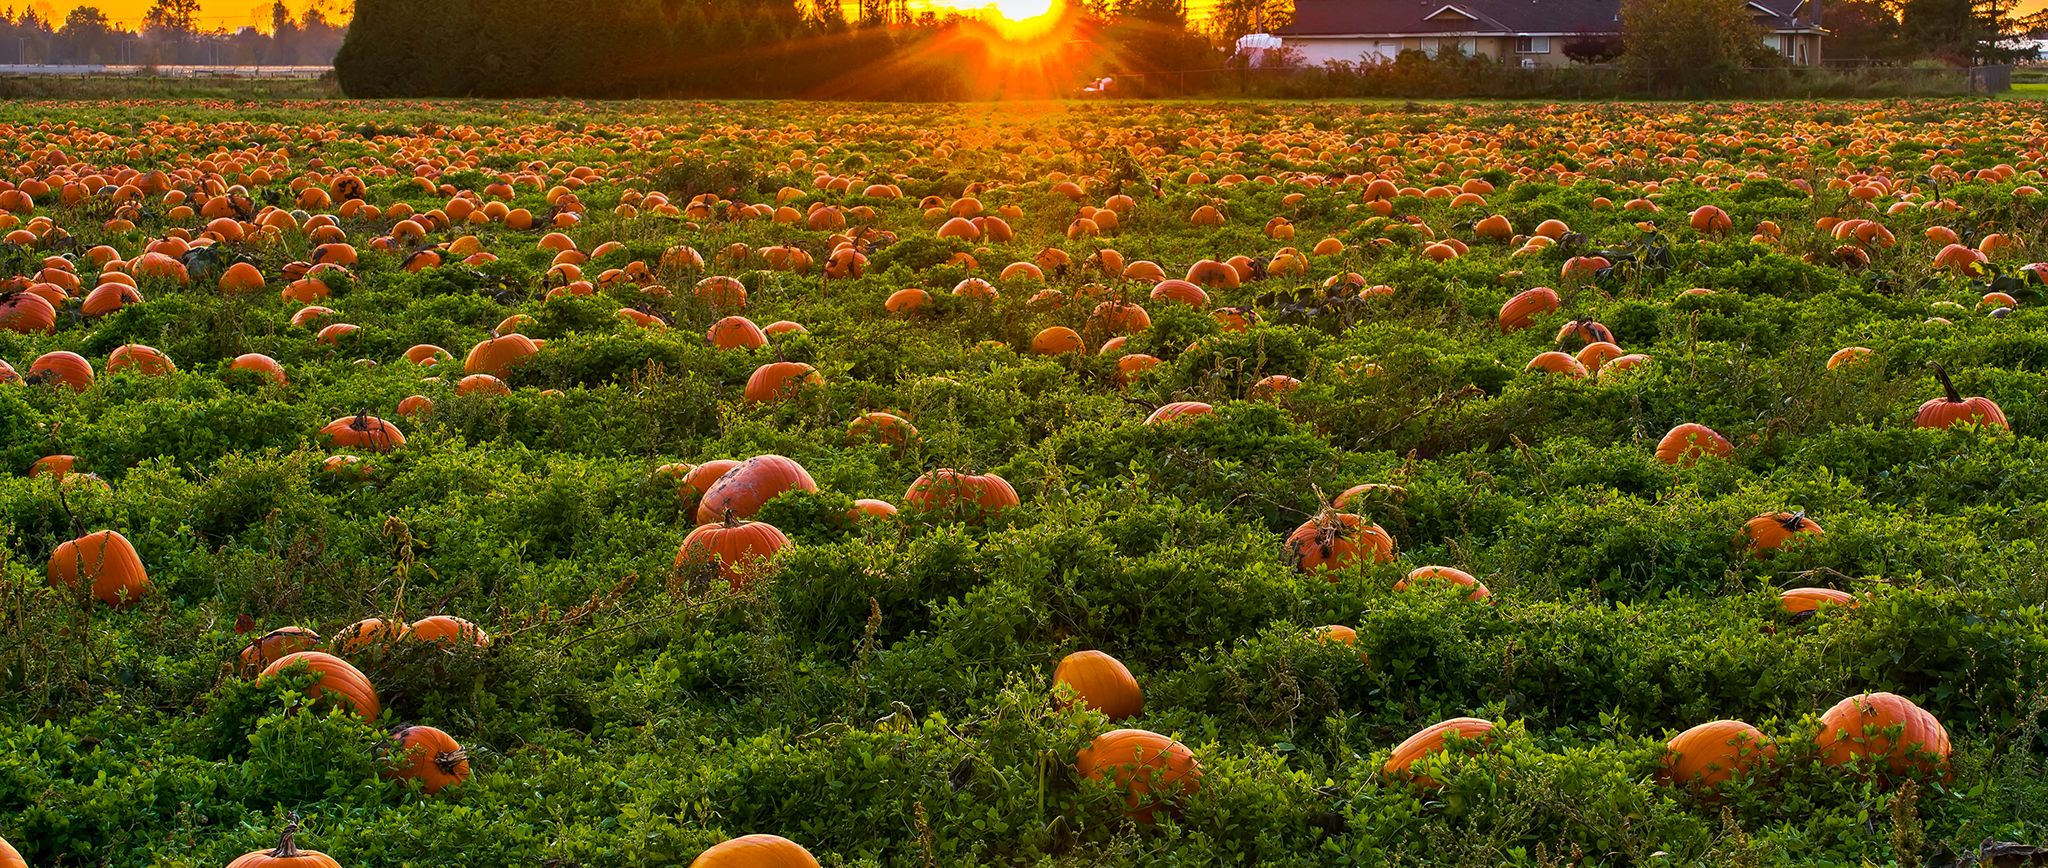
column 169, row 36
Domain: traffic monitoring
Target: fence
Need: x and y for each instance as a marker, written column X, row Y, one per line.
column 1485, row 80
column 132, row 71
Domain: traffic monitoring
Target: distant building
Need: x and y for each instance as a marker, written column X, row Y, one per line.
column 1527, row 33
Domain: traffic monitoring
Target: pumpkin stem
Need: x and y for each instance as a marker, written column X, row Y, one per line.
column 1792, row 523
column 286, row 847
column 1940, row 373
column 446, row 761
column 729, row 521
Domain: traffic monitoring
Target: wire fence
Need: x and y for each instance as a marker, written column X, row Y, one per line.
column 83, row 70
column 1483, row 80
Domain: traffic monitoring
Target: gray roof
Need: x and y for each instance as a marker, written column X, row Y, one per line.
column 1425, row 17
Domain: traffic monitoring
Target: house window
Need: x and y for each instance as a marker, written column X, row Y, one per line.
column 1532, row 45
column 1785, row 44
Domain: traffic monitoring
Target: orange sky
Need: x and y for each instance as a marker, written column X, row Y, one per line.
column 213, row 14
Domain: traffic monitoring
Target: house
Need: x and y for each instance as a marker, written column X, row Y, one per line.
column 1528, row 33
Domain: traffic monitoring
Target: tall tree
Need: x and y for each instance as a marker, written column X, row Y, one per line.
column 1698, row 46
column 174, row 18
column 1965, row 31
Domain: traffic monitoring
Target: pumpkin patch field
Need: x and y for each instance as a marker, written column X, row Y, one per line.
column 1139, row 484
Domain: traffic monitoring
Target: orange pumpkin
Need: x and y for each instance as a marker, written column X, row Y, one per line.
column 450, row 631
column 105, row 562
column 345, row 682
column 429, row 756
column 497, row 355
column 1335, row 541
column 1850, row 356
column 1148, row 767
column 739, row 551
column 1798, row 600
column 1179, row 410
column 370, row 632
column 27, row 313
column 1447, row 574
column 262, row 365
column 1521, row 311
column 1688, row 443
column 286, row 854
column 743, row 490
column 888, row 429
column 736, row 333
column 1101, row 682
column 756, row 851
column 1774, row 530
column 54, row 466
column 275, row 644
column 1860, row 726
column 1557, row 363
column 946, row 488
column 777, row 380
column 363, row 431
column 1710, row 753
column 1953, row 408
column 63, row 367
column 1431, row 741
column 9, row 857
column 705, row 475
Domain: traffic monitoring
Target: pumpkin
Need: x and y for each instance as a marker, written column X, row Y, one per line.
column 1273, row 387
column 1597, row 354
column 368, row 632
column 262, row 365
column 286, row 854
column 868, row 507
column 1860, row 726
column 449, row 631
column 1101, row 682
column 1520, row 312
column 908, row 301
column 736, row 333
column 1557, row 363
column 345, row 682
column 54, row 466
column 1850, row 356
column 1710, row 219
column 1179, row 410
column 946, row 488
column 1056, row 340
column 275, row 644
column 63, row 366
column 497, row 355
column 1710, row 753
column 1584, row 330
column 1688, row 443
column 9, row 857
column 742, row 491
column 756, row 851
column 888, row 429
column 479, row 384
column 108, row 298
column 1774, row 530
column 147, row 361
column 27, row 313
column 1148, row 767
column 1336, row 540
column 1953, row 408
column 705, row 475
column 1128, row 367
column 104, row 561
column 1449, row 574
column 415, row 405
column 777, row 380
column 427, row 354
column 1337, row 633
column 1431, row 741
column 738, row 550
column 1798, row 600
column 363, row 431
column 429, row 756
column 1119, row 318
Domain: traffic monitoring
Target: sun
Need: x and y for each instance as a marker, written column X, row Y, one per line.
column 1024, row 19
column 1022, row 10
